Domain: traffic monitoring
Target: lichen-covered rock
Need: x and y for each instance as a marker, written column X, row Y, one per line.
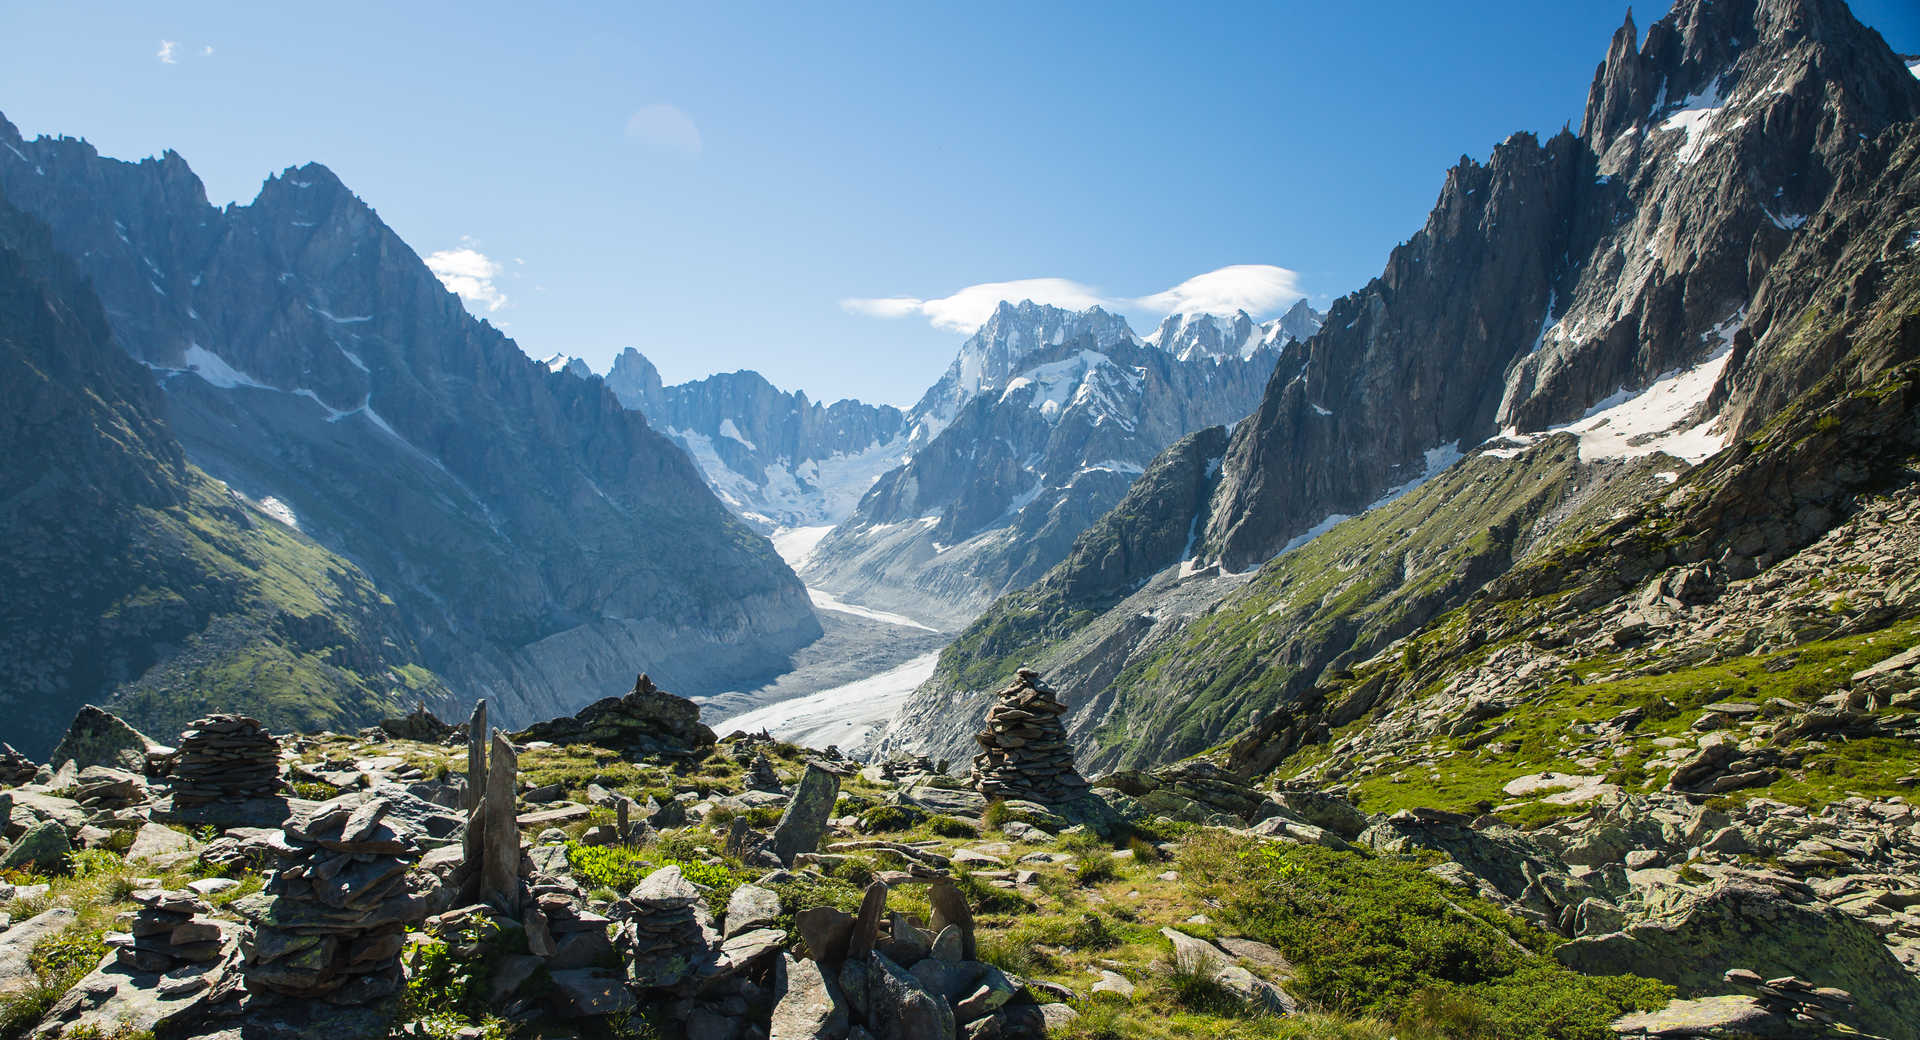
column 98, row 737
column 804, row 822
column 809, row 1005
column 1744, row 925
column 901, row 1007
column 44, row 847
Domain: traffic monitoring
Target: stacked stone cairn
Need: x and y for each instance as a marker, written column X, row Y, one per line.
column 761, row 777
column 1024, row 752
column 660, row 923
column 16, row 768
column 104, row 787
column 171, row 935
column 223, row 758
column 334, row 916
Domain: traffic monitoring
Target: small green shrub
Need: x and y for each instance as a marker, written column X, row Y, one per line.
column 1013, row 954
column 1094, row 869
column 764, row 816
column 952, row 827
column 1082, row 843
column 884, row 818
column 996, row 814
column 988, row 899
column 447, row 982
column 86, row 863
column 314, row 790
column 68, row 954
column 620, row 868
column 1189, row 980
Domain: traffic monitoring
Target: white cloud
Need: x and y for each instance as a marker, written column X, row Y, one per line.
column 664, row 128
column 969, row 308
column 207, row 51
column 165, row 53
column 1254, row 288
column 468, row 273
column 1258, row 289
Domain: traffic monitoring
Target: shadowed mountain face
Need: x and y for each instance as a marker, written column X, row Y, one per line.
column 775, row 458
column 132, row 578
column 542, row 542
column 1657, row 285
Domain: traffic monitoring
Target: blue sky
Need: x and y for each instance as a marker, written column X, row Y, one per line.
column 712, row 183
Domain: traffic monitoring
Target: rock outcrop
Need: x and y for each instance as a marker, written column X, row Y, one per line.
column 647, row 720
column 97, row 737
column 1735, row 237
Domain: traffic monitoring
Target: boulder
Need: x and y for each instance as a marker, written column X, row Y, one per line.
column 97, row 737
column 808, row 1004
column 116, row 1000
column 1722, row 1016
column 159, row 845
column 43, row 847
column 750, row 907
column 1775, row 931
column 901, row 1008
column 826, row 931
column 1325, row 811
column 17, row 943
column 805, row 821
column 589, row 992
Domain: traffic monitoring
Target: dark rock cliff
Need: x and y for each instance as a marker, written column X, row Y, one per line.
column 541, row 540
column 132, row 578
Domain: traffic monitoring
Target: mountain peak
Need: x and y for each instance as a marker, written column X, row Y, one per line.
column 1707, row 49
column 311, row 189
column 569, row 364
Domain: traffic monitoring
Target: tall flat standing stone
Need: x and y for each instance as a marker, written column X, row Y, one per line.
column 805, row 822
column 476, row 755
column 950, row 908
column 866, row 930
column 500, row 865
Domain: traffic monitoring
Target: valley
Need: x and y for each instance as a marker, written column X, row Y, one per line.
column 1523, row 644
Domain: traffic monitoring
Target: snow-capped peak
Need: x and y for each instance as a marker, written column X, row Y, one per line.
column 568, row 364
column 1188, row 336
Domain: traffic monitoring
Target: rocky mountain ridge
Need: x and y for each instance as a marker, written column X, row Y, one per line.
column 1716, row 318
column 537, row 537
column 776, row 458
column 1056, row 414
column 134, row 578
